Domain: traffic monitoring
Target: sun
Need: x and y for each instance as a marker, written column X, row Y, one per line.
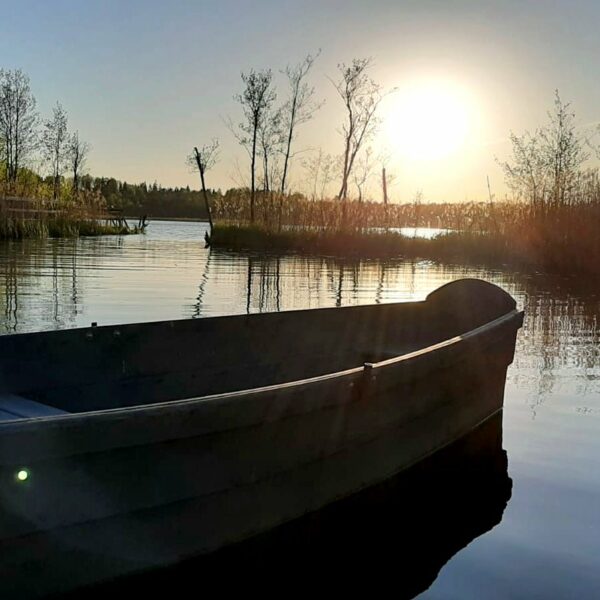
column 429, row 120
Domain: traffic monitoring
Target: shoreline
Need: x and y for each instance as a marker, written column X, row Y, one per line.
column 149, row 219
column 11, row 230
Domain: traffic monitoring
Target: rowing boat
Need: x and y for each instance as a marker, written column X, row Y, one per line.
column 125, row 448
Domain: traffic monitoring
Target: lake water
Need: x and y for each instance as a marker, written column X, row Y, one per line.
column 548, row 542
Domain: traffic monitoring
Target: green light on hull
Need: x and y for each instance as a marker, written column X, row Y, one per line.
column 22, row 475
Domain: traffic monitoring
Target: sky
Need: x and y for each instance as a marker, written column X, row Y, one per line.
column 145, row 81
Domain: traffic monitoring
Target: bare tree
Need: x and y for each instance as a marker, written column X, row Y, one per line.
column 256, row 101
column 55, row 145
column 78, row 152
column 546, row 164
column 525, row 173
column 563, row 151
column 329, row 168
column 362, row 172
column 298, row 109
column 205, row 159
column 18, row 120
column 417, row 204
column 386, row 178
column 269, row 133
column 320, row 169
column 361, row 97
column 3, row 152
column 313, row 166
column 384, row 184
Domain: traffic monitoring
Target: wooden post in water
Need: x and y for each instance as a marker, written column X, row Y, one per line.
column 201, row 166
column 384, row 185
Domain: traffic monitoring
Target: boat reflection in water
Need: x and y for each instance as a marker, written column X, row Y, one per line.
column 400, row 532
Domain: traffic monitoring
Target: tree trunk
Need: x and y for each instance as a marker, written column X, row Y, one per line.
column 253, row 170
column 384, row 185
column 204, row 193
column 289, row 144
column 266, row 169
column 344, row 189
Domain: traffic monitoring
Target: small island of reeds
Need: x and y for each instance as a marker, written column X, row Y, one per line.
column 39, row 217
column 545, row 235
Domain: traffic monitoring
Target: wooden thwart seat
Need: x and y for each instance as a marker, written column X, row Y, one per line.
column 14, row 407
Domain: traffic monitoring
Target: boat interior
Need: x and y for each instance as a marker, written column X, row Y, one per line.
column 96, row 368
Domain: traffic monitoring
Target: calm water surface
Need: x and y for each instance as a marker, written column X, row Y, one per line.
column 548, row 543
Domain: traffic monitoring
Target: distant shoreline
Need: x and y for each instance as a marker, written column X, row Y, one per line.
column 150, row 219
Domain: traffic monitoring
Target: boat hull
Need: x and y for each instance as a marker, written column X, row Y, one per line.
column 395, row 534
column 118, row 492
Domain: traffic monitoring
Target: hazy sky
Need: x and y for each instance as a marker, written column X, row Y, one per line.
column 145, row 81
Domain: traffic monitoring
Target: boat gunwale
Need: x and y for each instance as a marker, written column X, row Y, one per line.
column 183, row 321
column 365, row 368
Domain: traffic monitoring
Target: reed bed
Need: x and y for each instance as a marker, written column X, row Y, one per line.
column 554, row 233
column 16, row 229
column 275, row 213
column 44, row 217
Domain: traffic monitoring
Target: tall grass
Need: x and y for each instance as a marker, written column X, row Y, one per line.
column 16, row 229
column 274, row 213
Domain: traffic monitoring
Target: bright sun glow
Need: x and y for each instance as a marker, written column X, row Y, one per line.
column 429, row 120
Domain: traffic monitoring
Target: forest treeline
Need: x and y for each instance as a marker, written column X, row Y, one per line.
column 152, row 200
